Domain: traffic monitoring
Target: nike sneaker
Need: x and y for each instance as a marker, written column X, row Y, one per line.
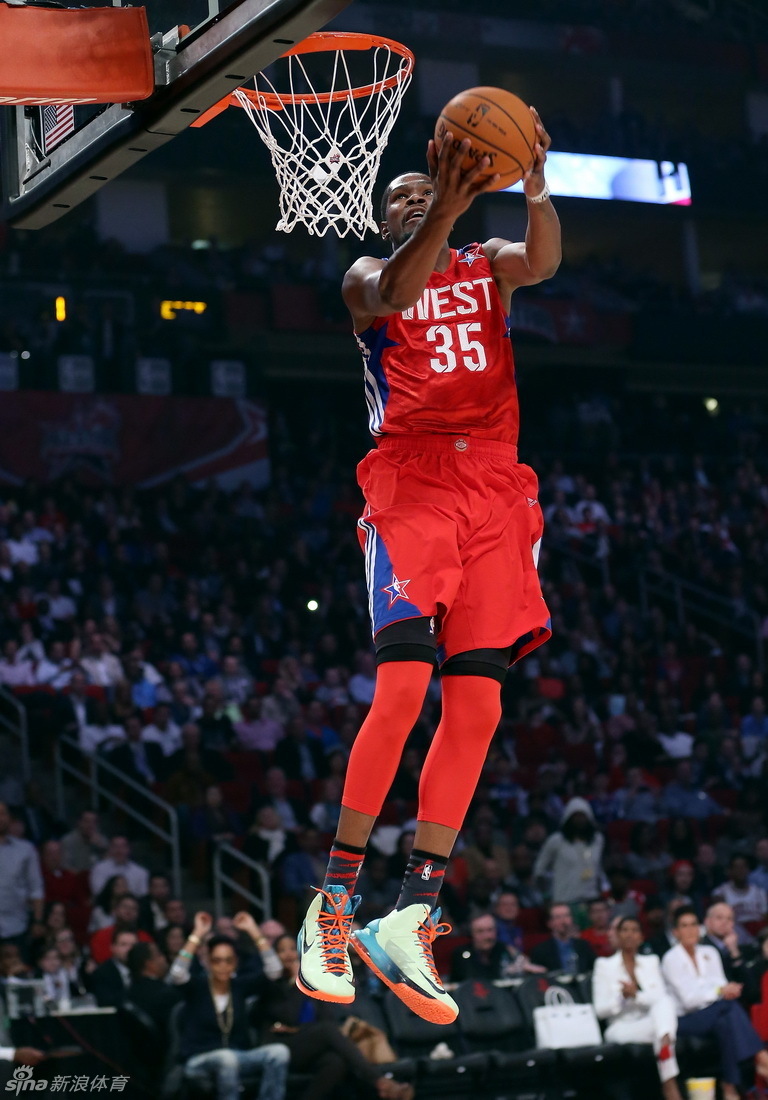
column 325, row 971
column 398, row 949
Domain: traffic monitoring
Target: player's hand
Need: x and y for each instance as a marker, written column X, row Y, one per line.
column 533, row 180
column 454, row 189
column 28, row 1056
column 203, row 924
column 628, row 989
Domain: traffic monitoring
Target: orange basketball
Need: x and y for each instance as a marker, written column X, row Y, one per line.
column 499, row 125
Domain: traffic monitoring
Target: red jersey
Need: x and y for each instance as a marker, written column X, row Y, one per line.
column 446, row 364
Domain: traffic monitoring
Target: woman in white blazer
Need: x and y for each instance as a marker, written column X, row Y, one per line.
column 707, row 1004
column 628, row 992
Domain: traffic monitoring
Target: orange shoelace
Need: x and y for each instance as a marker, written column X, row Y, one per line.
column 334, row 929
column 428, row 932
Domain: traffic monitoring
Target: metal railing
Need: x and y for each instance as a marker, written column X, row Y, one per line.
column 13, row 722
column 685, row 596
column 92, row 779
column 221, row 879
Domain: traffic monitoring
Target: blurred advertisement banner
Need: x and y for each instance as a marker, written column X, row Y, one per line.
column 132, row 440
column 588, row 176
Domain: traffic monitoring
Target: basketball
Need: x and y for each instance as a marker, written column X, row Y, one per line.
column 499, row 125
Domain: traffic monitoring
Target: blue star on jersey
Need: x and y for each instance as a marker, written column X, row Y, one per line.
column 396, row 590
column 468, row 254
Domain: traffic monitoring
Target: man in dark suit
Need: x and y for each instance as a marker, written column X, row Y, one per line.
column 152, row 917
column 148, row 967
column 143, row 761
column 196, row 761
column 563, row 950
column 720, row 933
column 486, row 958
column 299, row 755
column 110, row 980
column 39, row 823
column 664, row 938
column 291, row 811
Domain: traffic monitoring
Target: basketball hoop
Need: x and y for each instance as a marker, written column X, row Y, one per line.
column 326, row 145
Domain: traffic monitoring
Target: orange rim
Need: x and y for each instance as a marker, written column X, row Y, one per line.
column 320, row 42
column 324, row 42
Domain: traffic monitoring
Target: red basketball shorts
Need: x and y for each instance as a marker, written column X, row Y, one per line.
column 451, row 530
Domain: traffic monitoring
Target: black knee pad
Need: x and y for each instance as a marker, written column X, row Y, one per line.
column 492, row 663
column 410, row 640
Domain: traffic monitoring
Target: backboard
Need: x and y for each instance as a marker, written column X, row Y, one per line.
column 203, row 50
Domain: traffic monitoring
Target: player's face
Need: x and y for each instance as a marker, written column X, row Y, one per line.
column 410, row 196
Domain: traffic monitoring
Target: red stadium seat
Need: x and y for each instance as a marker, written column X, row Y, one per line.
column 237, row 796
column 532, row 939
column 532, row 920
column 246, row 765
column 620, row 832
column 443, row 949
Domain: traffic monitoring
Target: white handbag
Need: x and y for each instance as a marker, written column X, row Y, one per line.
column 560, row 1024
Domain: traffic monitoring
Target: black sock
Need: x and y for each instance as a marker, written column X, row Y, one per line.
column 344, row 866
column 423, row 879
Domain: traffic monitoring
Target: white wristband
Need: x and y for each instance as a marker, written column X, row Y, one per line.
column 542, row 197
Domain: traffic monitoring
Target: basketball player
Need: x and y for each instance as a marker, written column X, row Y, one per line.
column 450, row 532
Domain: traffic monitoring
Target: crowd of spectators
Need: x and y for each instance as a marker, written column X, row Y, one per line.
column 170, row 632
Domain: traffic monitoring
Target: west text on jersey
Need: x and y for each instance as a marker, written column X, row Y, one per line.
column 456, row 300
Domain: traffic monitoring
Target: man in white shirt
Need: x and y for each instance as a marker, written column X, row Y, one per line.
column 628, row 991
column 119, row 862
column 21, row 547
column 61, row 607
column 81, row 847
column 707, row 1004
column 363, row 683
column 163, row 730
column 102, row 666
column 15, row 672
column 55, row 669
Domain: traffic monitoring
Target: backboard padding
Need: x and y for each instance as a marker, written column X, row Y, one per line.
column 207, row 65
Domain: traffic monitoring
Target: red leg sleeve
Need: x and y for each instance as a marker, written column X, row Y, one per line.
column 397, row 702
column 471, row 713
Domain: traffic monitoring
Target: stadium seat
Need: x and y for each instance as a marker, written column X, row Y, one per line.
column 412, row 1037
column 451, row 1077
column 443, row 949
column 532, row 919
column 620, row 832
column 246, row 766
column 490, row 1017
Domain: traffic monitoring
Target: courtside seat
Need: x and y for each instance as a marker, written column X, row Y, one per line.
column 176, row 1087
column 698, row 1057
column 459, row 1077
column 532, row 1072
column 490, row 1017
column 413, row 1037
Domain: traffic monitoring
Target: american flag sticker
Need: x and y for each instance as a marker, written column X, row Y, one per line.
column 58, row 122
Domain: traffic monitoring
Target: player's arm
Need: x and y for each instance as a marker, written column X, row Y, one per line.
column 538, row 258
column 375, row 288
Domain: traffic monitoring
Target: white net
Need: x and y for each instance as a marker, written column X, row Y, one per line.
column 326, row 144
